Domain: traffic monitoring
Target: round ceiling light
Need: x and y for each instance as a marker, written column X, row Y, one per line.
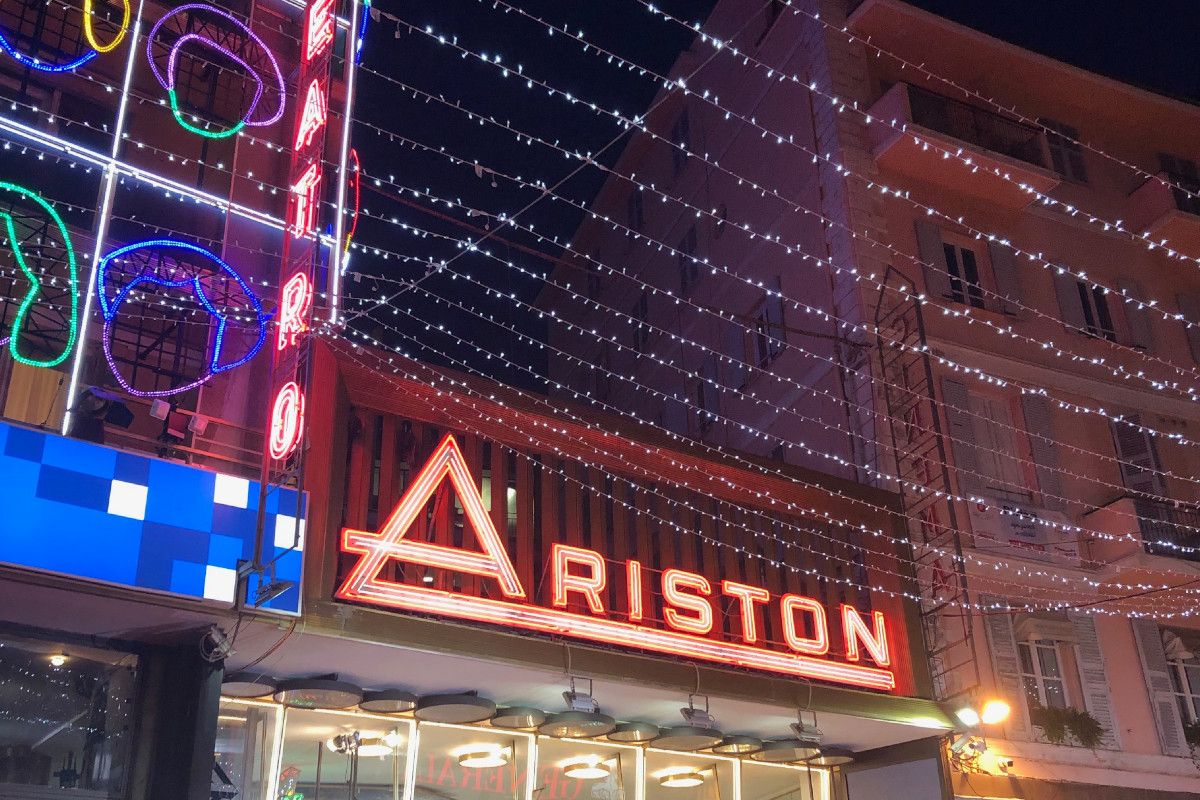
column 738, row 745
column 317, row 693
column 588, row 768
column 689, row 738
column 388, row 701
column 783, row 751
column 578, row 725
column 482, row 756
column 832, row 757
column 681, row 780
column 247, row 685
column 455, row 709
column 380, row 746
column 520, row 718
column 633, row 732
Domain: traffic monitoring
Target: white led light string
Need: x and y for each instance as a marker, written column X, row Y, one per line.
column 1009, row 111
column 490, row 354
column 1003, row 330
column 868, row 329
column 721, row 315
column 462, row 386
column 587, row 334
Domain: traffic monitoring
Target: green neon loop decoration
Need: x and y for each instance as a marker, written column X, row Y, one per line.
column 35, row 288
column 200, row 131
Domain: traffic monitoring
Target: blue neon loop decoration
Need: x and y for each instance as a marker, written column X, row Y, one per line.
column 110, row 308
column 362, row 31
column 38, row 64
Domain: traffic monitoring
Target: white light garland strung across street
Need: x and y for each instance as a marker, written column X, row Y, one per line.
column 1005, row 331
column 679, row 85
column 462, row 387
column 866, row 328
column 683, row 400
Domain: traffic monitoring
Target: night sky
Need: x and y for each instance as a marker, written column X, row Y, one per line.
column 1150, row 44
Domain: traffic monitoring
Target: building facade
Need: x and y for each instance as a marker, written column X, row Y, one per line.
column 873, row 242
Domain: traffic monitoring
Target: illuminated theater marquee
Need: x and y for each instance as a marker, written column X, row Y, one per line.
column 584, row 575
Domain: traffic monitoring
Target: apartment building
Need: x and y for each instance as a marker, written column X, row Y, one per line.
column 838, row 252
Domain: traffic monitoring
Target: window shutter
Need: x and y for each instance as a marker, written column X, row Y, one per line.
column 735, row 348
column 1006, row 664
column 1066, row 286
column 929, row 245
column 1045, row 454
column 1138, row 460
column 1138, row 319
column 1158, row 684
column 1004, row 268
column 1091, row 675
column 962, row 433
column 1189, row 306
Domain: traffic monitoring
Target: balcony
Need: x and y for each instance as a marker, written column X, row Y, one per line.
column 1169, row 530
column 997, row 147
column 1165, row 212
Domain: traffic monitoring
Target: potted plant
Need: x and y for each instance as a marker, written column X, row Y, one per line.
column 1058, row 725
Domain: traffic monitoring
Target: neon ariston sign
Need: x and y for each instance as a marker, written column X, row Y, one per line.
column 583, row 576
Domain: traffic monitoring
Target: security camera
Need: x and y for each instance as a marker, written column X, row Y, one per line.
column 1005, row 763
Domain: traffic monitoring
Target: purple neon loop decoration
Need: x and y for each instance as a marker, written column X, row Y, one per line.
column 168, row 81
column 110, row 308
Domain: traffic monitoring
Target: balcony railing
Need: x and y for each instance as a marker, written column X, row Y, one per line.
column 1169, row 530
column 976, row 126
column 1186, row 191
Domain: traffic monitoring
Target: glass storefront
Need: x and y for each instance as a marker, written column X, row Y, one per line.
column 267, row 752
column 66, row 720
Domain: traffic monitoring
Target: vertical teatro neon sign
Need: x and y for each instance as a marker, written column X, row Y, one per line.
column 286, row 426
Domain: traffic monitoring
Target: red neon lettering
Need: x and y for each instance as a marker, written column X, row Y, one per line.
column 855, row 630
column 590, row 585
column 312, row 115
column 818, row 645
column 747, row 596
column 674, row 582
column 633, row 576
column 376, row 548
column 304, row 200
column 287, row 421
column 294, row 303
column 318, row 28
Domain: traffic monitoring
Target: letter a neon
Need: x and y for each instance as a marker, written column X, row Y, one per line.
column 390, row 542
column 312, row 117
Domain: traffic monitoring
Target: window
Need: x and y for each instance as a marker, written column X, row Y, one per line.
column 1185, row 683
column 681, row 137
column 593, row 285
column 997, row 454
column 1066, row 154
column 1185, row 177
column 635, row 210
column 964, row 275
column 769, row 335
column 1042, row 674
column 1096, row 318
column 774, row 10
column 641, row 334
column 689, row 270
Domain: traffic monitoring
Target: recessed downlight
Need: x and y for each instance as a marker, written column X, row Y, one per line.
column 681, row 780
column 482, row 756
column 388, row 701
column 587, row 768
column 454, row 709
column 578, row 725
column 519, row 718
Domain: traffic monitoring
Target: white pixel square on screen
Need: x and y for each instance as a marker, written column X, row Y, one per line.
column 285, row 532
column 231, row 491
column 220, row 583
column 127, row 499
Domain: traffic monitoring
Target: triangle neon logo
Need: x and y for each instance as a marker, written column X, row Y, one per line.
column 391, row 541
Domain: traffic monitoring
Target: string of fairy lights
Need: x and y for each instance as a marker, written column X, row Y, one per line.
column 1004, row 330
column 1117, row 372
